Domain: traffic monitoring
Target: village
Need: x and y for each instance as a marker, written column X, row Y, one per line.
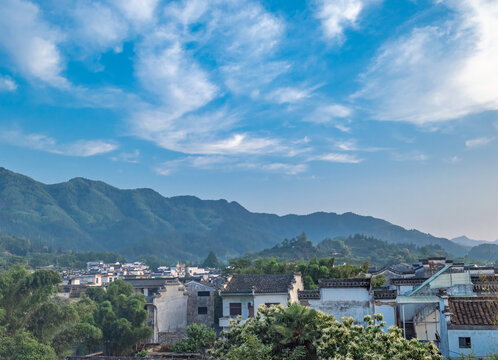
column 452, row 305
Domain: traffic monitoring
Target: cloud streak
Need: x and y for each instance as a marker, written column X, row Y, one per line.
column 80, row 148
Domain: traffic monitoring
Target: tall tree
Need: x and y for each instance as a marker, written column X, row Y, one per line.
column 121, row 316
column 211, row 261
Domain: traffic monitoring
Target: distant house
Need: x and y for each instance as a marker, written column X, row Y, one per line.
column 351, row 298
column 167, row 307
column 472, row 326
column 243, row 294
column 200, row 304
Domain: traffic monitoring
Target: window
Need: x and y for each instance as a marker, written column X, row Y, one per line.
column 464, row 343
column 203, row 293
column 270, row 304
column 235, row 309
column 202, row 310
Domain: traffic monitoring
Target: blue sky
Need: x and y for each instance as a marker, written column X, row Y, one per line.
column 386, row 108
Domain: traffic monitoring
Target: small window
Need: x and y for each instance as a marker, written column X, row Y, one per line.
column 235, row 309
column 270, row 304
column 202, row 310
column 464, row 343
column 203, row 293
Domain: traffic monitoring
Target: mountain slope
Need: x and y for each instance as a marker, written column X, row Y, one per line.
column 465, row 241
column 83, row 214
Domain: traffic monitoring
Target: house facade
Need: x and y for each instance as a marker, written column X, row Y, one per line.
column 242, row 295
column 200, row 303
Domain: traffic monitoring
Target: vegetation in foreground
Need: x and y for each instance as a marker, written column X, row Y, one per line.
column 300, row 333
column 35, row 324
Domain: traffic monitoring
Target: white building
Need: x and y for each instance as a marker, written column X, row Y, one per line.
column 351, row 298
column 472, row 327
column 243, row 294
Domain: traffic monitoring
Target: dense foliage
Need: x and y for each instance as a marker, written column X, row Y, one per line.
column 34, row 325
column 312, row 271
column 355, row 249
column 121, row 316
column 300, row 333
column 19, row 251
column 84, row 215
column 199, row 339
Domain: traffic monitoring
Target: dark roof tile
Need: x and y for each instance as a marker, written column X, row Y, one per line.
column 261, row 284
column 474, row 311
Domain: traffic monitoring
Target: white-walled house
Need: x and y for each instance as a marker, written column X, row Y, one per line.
column 472, row 326
column 340, row 298
column 243, row 294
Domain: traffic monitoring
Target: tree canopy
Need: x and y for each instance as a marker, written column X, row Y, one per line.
column 300, row 333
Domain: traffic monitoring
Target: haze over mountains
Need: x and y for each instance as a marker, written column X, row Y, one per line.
column 82, row 214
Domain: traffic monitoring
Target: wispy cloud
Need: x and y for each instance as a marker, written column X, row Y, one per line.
column 80, row 148
column 328, row 113
column 7, row 84
column 479, row 142
column 228, row 163
column 439, row 72
column 31, row 42
column 288, row 95
column 352, row 145
column 337, row 15
column 338, row 158
column 411, row 156
column 129, row 157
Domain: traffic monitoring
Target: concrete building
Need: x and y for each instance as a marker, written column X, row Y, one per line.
column 200, row 304
column 242, row 295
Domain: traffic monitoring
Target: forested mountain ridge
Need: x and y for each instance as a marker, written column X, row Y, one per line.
column 83, row 214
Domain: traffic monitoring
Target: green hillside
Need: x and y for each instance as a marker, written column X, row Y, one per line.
column 86, row 215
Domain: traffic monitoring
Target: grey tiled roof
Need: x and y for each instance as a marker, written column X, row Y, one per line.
column 341, row 283
column 261, row 283
column 308, row 294
column 474, row 311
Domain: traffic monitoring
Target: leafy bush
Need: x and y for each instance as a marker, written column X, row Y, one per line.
column 199, row 338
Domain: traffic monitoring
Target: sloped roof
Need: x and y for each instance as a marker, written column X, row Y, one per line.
column 344, row 283
column 474, row 311
column 308, row 294
column 262, row 284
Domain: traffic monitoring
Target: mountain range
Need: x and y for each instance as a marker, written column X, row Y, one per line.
column 83, row 215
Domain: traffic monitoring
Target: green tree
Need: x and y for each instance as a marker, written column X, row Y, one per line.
column 199, row 339
column 300, row 333
column 121, row 316
column 29, row 310
column 378, row 280
column 22, row 346
column 211, row 261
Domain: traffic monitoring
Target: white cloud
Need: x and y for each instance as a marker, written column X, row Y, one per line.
column 227, row 163
column 31, row 42
column 338, row 158
column 479, row 142
column 137, row 10
column 439, row 72
column 288, row 95
column 7, row 84
column 129, row 157
column 337, row 15
column 289, row 169
column 330, row 114
column 166, row 70
column 98, row 26
column 81, row 148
